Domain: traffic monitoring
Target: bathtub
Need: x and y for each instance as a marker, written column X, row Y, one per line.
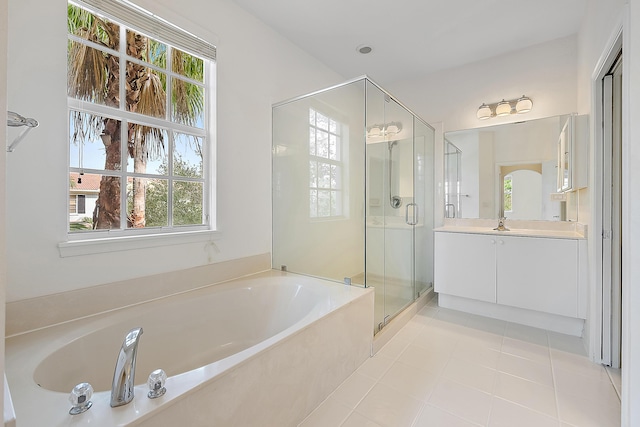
column 257, row 351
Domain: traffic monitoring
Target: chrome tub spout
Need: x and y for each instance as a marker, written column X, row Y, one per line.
column 125, row 372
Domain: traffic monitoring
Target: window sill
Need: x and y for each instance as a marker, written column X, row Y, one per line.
column 116, row 244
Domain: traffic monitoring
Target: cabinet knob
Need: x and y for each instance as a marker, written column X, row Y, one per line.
column 493, row 242
column 501, row 242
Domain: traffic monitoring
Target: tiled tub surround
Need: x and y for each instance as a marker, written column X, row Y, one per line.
column 267, row 348
column 34, row 313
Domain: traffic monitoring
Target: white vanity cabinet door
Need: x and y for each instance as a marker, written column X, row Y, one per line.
column 465, row 265
column 538, row 274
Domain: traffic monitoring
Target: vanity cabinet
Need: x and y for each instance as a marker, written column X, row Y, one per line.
column 535, row 273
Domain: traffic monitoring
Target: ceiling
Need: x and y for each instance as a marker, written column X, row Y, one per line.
column 412, row 38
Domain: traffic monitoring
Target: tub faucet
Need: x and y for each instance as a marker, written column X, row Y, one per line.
column 501, row 226
column 125, row 372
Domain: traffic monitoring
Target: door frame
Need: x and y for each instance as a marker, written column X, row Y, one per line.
column 594, row 335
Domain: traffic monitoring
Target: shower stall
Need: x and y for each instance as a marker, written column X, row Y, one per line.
column 353, row 192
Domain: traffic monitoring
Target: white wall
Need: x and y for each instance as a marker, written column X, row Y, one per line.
column 256, row 67
column 546, row 73
column 524, row 184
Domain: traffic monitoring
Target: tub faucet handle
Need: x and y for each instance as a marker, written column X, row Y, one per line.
column 156, row 382
column 80, row 398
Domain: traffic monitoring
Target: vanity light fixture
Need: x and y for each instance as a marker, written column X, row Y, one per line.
column 523, row 105
column 385, row 129
column 505, row 108
column 484, row 112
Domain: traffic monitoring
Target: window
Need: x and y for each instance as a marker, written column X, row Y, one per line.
column 508, row 191
column 139, row 92
column 81, row 203
column 325, row 166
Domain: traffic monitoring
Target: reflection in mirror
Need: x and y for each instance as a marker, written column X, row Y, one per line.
column 505, row 170
column 452, row 181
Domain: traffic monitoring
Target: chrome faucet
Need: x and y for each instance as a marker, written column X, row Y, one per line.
column 125, row 372
column 501, row 226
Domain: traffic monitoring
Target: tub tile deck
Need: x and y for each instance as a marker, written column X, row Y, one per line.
column 447, row 368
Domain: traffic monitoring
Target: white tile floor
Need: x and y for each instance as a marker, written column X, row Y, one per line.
column 451, row 369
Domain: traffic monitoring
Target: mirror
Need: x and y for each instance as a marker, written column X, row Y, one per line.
column 506, row 170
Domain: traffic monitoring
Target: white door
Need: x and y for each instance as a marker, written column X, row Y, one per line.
column 611, row 217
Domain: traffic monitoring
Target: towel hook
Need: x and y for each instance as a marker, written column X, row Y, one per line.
column 16, row 120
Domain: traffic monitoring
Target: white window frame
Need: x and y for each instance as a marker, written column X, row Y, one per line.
column 108, row 240
column 339, row 163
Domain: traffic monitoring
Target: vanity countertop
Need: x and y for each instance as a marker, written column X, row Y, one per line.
column 518, row 232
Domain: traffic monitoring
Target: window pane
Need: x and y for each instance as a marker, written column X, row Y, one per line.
column 187, row 103
column 322, row 121
column 88, row 186
column 145, row 91
column 333, row 126
column 187, row 65
column 147, row 203
column 187, row 203
column 92, row 75
column 147, row 150
column 146, row 49
column 322, row 144
column 94, row 141
column 313, row 174
column 324, row 175
column 82, row 23
column 312, row 117
column 324, row 203
column 335, row 176
column 187, row 156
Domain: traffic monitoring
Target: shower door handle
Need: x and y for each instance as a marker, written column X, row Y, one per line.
column 414, row 217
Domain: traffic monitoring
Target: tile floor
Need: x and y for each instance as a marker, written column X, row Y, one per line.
column 451, row 369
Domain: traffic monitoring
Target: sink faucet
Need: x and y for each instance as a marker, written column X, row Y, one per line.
column 125, row 372
column 501, row 226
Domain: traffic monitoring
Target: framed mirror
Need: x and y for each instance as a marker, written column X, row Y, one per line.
column 506, row 170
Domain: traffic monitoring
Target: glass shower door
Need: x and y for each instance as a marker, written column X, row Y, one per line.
column 391, row 209
column 401, row 214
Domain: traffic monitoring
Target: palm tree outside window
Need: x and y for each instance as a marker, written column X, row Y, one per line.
column 139, row 124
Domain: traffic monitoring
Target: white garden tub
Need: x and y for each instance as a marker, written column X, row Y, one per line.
column 263, row 350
